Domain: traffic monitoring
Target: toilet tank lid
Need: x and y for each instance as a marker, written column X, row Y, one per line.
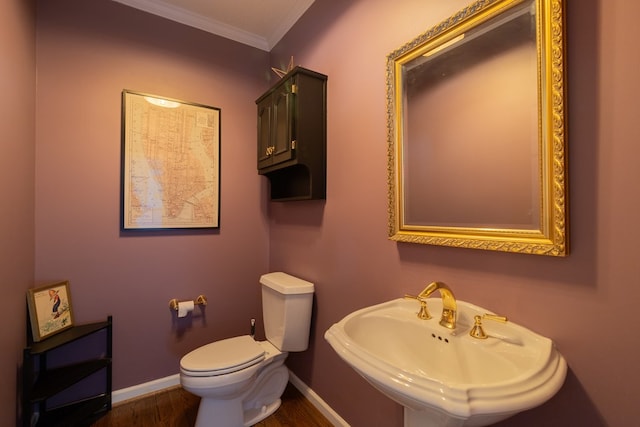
column 286, row 284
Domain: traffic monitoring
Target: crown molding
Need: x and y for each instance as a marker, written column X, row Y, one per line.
column 213, row 26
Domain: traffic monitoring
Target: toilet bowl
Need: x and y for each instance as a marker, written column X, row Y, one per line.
column 240, row 380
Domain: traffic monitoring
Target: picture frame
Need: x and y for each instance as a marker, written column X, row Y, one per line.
column 170, row 163
column 50, row 310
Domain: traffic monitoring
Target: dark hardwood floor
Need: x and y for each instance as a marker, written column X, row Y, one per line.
column 176, row 407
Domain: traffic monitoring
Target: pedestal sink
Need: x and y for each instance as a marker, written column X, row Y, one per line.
column 446, row 377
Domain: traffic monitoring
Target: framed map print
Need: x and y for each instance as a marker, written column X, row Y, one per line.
column 170, row 163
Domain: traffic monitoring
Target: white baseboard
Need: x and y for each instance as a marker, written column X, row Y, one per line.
column 145, row 388
column 331, row 415
column 139, row 390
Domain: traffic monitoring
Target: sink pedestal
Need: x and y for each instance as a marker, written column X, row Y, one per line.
column 413, row 418
column 428, row 418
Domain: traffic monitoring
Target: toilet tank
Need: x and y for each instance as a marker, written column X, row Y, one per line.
column 286, row 310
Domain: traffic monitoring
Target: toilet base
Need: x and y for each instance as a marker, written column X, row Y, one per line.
column 227, row 413
column 257, row 403
column 264, row 398
column 254, row 416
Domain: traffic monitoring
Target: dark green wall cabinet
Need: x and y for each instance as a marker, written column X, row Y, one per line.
column 54, row 392
column 292, row 136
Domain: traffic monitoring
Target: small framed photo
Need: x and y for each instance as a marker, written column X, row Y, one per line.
column 49, row 310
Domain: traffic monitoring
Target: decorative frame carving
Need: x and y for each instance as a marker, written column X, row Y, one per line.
column 552, row 237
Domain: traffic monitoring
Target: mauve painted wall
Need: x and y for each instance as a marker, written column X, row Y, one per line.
column 88, row 52
column 587, row 302
column 17, row 115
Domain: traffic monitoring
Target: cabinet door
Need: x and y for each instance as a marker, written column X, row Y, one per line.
column 284, row 124
column 264, row 132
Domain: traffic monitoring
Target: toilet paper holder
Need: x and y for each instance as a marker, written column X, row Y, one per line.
column 201, row 300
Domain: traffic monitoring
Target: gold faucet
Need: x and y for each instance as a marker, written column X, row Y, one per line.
column 449, row 305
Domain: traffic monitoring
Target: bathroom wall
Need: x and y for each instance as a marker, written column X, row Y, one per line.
column 87, row 53
column 17, row 116
column 585, row 302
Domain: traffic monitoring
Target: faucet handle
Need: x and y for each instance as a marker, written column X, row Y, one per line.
column 424, row 311
column 495, row 317
column 477, row 331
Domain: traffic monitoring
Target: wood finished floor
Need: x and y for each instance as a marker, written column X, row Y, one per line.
column 178, row 408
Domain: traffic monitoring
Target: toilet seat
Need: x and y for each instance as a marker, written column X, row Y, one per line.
column 222, row 357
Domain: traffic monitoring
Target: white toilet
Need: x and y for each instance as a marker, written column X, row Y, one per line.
column 240, row 380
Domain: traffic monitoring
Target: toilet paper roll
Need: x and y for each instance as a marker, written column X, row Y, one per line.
column 184, row 308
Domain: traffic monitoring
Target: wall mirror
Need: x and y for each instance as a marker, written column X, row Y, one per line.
column 476, row 129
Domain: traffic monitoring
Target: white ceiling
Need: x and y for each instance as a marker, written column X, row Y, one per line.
column 257, row 23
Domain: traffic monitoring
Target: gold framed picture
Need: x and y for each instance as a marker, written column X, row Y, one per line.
column 49, row 309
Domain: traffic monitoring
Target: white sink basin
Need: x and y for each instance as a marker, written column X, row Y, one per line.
column 446, row 377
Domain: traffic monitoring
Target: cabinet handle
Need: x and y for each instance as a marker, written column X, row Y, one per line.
column 270, row 150
column 293, row 144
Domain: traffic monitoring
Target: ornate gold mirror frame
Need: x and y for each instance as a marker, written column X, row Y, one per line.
column 477, row 152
